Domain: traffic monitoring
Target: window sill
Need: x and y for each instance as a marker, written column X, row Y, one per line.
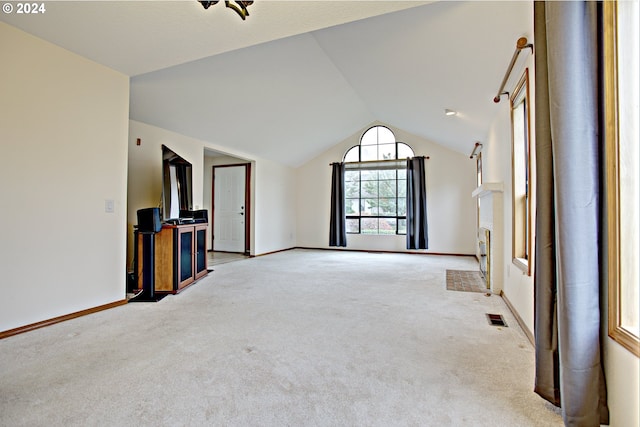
column 522, row 264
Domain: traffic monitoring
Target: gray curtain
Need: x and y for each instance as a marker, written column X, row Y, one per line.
column 337, row 222
column 567, row 278
column 417, row 229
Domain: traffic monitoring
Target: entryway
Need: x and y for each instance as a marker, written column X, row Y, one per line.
column 230, row 207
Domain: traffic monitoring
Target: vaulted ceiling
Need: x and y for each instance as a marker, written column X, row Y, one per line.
column 298, row 77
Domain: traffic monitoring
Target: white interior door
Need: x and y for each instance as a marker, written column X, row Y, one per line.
column 228, row 209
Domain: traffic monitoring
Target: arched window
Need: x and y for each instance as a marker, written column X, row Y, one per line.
column 375, row 184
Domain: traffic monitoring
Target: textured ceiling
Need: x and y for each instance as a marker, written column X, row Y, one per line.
column 298, row 77
column 136, row 37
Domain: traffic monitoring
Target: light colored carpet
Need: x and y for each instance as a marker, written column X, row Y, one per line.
column 216, row 258
column 297, row 338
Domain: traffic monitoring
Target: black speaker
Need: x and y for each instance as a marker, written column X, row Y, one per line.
column 149, row 220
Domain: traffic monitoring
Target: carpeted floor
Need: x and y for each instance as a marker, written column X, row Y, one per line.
column 465, row 281
column 217, row 258
column 296, row 338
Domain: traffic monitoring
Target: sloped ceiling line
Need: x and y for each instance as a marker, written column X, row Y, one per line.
column 304, row 76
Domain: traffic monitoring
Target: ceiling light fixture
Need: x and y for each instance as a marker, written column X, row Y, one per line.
column 448, row 112
column 239, row 6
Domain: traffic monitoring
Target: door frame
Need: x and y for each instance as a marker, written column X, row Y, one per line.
column 247, row 203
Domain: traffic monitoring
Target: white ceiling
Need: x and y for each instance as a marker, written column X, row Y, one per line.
column 298, row 77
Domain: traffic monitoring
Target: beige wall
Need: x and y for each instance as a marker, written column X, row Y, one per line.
column 496, row 161
column 145, row 170
column 621, row 367
column 273, row 202
column 450, row 180
column 63, row 130
column 623, row 384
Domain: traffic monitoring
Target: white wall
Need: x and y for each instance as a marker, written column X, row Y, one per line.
column 275, row 207
column 621, row 367
column 496, row 166
column 622, row 374
column 273, row 201
column 145, row 170
column 450, row 176
column 63, row 127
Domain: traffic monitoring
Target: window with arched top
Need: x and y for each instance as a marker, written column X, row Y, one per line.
column 378, row 143
column 375, row 184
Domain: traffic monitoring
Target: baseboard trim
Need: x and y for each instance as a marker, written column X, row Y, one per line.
column 273, row 252
column 49, row 322
column 386, row 252
column 523, row 326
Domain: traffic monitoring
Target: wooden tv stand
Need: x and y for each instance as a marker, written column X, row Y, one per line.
column 180, row 256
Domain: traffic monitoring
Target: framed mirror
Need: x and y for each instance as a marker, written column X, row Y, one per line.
column 176, row 184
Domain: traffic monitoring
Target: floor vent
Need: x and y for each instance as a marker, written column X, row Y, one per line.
column 496, row 320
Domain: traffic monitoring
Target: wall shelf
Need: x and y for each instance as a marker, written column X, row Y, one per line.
column 488, row 187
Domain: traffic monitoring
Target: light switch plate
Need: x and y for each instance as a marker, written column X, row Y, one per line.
column 109, row 206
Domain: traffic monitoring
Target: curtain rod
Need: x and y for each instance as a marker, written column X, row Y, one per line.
column 520, row 45
column 380, row 161
column 475, row 149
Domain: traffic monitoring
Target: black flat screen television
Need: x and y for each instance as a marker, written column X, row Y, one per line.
column 176, row 185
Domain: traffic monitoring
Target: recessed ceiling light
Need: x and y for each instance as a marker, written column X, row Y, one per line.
column 449, row 112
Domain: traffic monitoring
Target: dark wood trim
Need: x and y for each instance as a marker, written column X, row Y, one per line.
column 213, row 198
column 247, row 209
column 49, row 322
column 275, row 252
column 386, row 252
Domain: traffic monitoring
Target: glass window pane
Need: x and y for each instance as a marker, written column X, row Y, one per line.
column 353, row 225
column 387, row 174
column 369, row 152
column 353, row 155
column 350, row 176
column 387, row 207
column 369, row 226
column 352, row 189
column 370, row 189
column 402, row 206
column 387, row 226
column 352, row 206
column 402, row 188
column 387, row 188
column 369, row 175
column 369, row 207
column 374, row 193
column 402, row 226
column 386, row 151
column 404, row 151
column 385, row 136
column 370, row 137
